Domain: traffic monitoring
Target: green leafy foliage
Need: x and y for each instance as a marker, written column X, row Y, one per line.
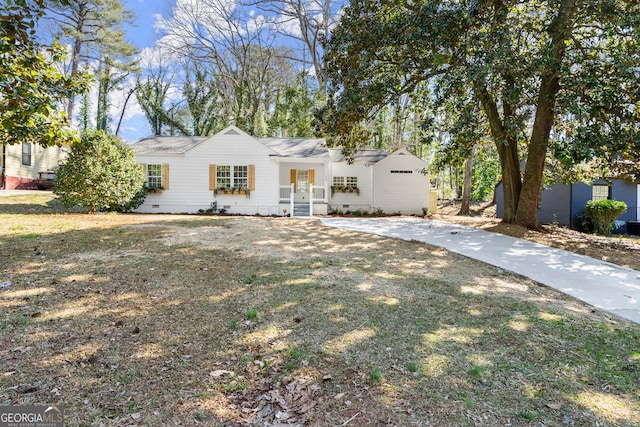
column 527, row 73
column 603, row 214
column 101, row 174
column 31, row 87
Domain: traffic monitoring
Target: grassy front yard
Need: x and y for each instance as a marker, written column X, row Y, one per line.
column 187, row 320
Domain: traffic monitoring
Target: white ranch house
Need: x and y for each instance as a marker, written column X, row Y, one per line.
column 239, row 174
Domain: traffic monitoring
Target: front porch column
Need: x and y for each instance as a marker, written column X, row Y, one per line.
column 292, row 199
column 310, row 199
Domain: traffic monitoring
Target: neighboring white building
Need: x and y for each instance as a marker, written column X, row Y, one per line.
column 234, row 172
column 20, row 164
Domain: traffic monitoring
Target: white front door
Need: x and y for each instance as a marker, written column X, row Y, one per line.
column 302, row 185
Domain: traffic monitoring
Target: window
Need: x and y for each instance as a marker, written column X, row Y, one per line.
column 352, row 181
column 302, row 179
column 154, row 176
column 223, row 176
column 241, row 177
column 600, row 192
column 26, row 153
column 338, row 181
column 232, row 176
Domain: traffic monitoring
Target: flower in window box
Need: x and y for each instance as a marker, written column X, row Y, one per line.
column 155, row 189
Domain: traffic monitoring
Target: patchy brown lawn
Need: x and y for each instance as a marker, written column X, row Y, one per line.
column 194, row 320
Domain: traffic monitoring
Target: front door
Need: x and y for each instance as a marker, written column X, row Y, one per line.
column 303, row 179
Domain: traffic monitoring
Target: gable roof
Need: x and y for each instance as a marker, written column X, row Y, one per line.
column 298, row 147
column 166, row 144
column 366, row 156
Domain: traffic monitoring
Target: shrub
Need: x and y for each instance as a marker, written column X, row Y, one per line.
column 100, row 174
column 603, row 214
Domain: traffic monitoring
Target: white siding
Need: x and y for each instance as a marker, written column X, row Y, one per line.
column 362, row 201
column 406, row 193
column 189, row 178
column 42, row 160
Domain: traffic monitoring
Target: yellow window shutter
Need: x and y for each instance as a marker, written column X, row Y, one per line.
column 293, row 176
column 212, row 177
column 252, row 177
column 165, row 176
column 312, row 177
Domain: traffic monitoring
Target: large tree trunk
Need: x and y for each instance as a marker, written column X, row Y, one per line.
column 511, row 178
column 507, row 147
column 560, row 31
column 526, row 214
column 466, row 187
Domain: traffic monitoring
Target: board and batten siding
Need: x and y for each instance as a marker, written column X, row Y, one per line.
column 190, row 181
column 395, row 189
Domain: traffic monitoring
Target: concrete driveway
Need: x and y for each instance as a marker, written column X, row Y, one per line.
column 601, row 284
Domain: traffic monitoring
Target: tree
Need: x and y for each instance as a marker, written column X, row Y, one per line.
column 238, row 52
column 308, row 22
column 292, row 110
column 151, row 94
column 31, row 88
column 100, row 174
column 201, row 95
column 94, row 29
column 516, row 58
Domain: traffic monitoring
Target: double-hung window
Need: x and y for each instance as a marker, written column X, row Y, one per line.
column 338, row 181
column 154, row 177
column 352, row 181
column 236, row 176
column 241, row 177
column 26, row 153
column 223, row 177
column 232, row 177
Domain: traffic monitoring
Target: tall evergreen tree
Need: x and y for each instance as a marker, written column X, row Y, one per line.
column 95, row 31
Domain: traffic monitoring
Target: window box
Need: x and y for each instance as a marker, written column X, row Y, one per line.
column 344, row 189
column 155, row 189
column 229, row 190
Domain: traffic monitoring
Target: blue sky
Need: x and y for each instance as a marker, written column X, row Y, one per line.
column 142, row 35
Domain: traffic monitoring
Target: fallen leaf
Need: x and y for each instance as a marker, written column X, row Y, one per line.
column 219, row 372
column 554, row 405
